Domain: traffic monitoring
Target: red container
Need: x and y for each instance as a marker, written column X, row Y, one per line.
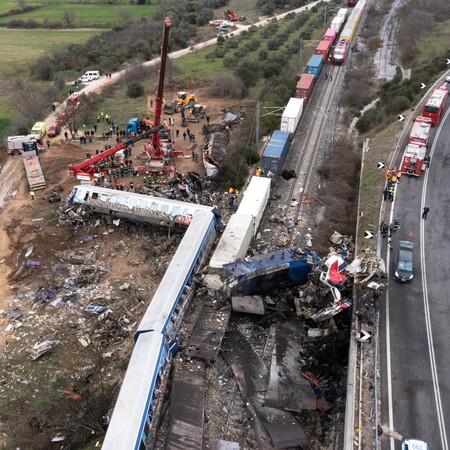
column 322, row 49
column 305, row 86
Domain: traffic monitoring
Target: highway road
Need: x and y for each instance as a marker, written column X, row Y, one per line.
column 416, row 335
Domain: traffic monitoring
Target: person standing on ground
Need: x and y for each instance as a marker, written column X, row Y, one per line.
column 425, row 212
column 385, row 193
column 32, row 194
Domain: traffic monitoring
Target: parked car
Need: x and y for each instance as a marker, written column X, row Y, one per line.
column 447, row 78
column 414, row 444
column 54, row 130
column 223, row 26
column 403, row 266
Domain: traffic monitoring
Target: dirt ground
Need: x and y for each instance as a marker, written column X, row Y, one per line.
column 126, row 254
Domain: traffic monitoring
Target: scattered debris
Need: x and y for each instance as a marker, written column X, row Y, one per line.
column 41, row 348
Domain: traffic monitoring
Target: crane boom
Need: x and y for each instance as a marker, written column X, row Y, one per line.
column 88, row 166
column 159, row 93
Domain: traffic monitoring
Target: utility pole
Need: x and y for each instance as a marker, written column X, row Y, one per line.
column 258, row 105
column 300, row 52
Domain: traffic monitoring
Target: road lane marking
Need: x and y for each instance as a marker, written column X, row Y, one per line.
column 434, row 372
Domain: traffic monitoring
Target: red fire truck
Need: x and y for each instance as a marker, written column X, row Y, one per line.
column 420, row 131
column 435, row 105
column 413, row 158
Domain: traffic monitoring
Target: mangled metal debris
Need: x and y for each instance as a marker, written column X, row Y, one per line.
column 286, row 390
column 41, row 348
column 262, row 273
column 249, row 304
column 280, row 428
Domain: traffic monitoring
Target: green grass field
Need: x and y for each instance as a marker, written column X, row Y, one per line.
column 20, row 46
column 95, row 13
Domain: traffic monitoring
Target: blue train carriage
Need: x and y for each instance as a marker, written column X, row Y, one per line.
column 137, row 411
column 168, row 306
column 314, row 65
column 275, row 152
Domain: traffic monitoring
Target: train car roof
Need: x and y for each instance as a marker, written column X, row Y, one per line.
column 135, row 396
column 177, row 274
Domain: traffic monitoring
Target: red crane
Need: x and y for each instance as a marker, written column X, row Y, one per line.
column 157, row 152
column 87, row 167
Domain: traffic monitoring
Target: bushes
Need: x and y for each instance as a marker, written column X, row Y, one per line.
column 226, row 85
column 135, row 90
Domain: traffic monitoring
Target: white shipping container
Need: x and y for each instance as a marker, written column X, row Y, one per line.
column 255, row 200
column 337, row 23
column 234, row 242
column 343, row 12
column 291, row 115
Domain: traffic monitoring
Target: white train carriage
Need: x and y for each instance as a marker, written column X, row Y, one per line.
column 133, row 424
column 167, row 308
column 136, row 207
column 243, row 225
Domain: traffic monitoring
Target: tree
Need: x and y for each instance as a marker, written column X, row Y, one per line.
column 22, row 4
column 125, row 16
column 68, row 18
column 135, row 89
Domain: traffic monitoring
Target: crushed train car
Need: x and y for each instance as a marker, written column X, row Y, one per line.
column 262, row 273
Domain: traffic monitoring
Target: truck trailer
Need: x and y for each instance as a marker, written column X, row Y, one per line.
column 30, row 156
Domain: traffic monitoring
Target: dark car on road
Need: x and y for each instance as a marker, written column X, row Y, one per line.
column 54, row 130
column 403, row 265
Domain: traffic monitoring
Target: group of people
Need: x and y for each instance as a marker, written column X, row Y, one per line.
column 392, row 178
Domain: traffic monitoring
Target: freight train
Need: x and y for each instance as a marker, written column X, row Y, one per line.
column 277, row 148
column 347, row 33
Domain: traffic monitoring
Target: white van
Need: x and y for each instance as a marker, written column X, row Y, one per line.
column 89, row 76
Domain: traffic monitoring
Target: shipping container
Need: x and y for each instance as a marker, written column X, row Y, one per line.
column 275, row 152
column 234, row 241
column 291, row 115
column 322, row 49
column 305, row 87
column 315, row 65
column 330, row 35
column 256, row 196
column 343, row 12
column 337, row 23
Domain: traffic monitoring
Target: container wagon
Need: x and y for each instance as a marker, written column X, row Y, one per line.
column 275, row 152
column 305, row 87
column 330, row 35
column 291, row 115
column 315, row 65
column 323, row 49
column 337, row 23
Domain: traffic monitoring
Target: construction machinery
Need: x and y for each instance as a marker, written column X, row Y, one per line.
column 196, row 113
column 231, row 15
column 183, row 101
column 85, row 170
column 155, row 148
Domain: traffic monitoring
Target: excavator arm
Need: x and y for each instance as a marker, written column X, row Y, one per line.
column 88, row 166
